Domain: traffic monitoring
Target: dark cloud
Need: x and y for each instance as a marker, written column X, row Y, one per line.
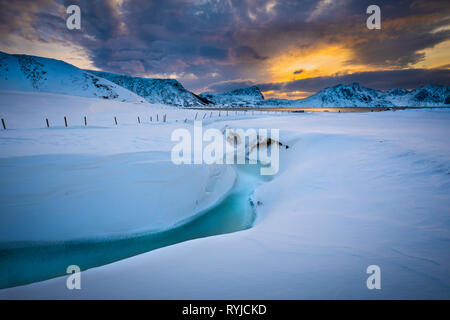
column 247, row 53
column 29, row 19
column 230, row 85
column 216, row 42
column 382, row 80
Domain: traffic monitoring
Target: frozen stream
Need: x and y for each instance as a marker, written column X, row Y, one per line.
column 23, row 262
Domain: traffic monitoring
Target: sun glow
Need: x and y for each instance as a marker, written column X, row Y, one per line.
column 438, row 56
column 322, row 62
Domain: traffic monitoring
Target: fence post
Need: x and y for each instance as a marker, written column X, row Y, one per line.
column 151, row 120
column 115, row 120
column 65, row 121
column 85, row 121
column 157, row 118
column 48, row 125
column 3, row 123
column 139, row 120
column 164, row 117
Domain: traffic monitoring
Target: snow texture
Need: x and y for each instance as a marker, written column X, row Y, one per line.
column 354, row 189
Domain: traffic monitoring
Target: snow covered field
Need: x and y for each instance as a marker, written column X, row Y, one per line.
column 353, row 190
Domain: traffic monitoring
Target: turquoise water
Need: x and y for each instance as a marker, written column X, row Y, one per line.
column 29, row 262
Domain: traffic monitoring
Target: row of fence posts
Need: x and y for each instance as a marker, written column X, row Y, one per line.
column 210, row 115
column 164, row 119
column 85, row 121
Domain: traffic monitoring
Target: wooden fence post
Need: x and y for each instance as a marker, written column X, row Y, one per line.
column 151, row 120
column 65, row 121
column 48, row 124
column 3, row 123
column 115, row 120
column 164, row 117
column 85, row 121
column 157, row 118
column 139, row 120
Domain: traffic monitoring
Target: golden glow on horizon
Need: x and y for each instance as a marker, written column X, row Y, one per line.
column 293, row 95
column 334, row 60
column 323, row 62
column 438, row 56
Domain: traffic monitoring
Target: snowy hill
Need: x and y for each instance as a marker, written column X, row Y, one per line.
column 429, row 95
column 30, row 73
column 352, row 95
column 165, row 91
column 276, row 103
column 355, row 95
column 250, row 96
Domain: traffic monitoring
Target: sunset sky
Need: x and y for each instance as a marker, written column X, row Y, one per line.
column 290, row 49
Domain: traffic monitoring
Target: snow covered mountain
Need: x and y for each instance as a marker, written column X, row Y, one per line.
column 352, row 95
column 29, row 73
column 429, row 95
column 358, row 96
column 250, row 96
column 165, row 91
column 355, row 95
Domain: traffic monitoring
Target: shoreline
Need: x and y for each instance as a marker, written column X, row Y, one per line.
column 316, row 109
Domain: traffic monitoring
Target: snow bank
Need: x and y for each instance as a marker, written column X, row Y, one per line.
column 95, row 181
column 353, row 190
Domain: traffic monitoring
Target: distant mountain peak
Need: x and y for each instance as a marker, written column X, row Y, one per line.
column 397, row 92
column 249, row 96
column 165, row 91
column 355, row 95
column 251, row 91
